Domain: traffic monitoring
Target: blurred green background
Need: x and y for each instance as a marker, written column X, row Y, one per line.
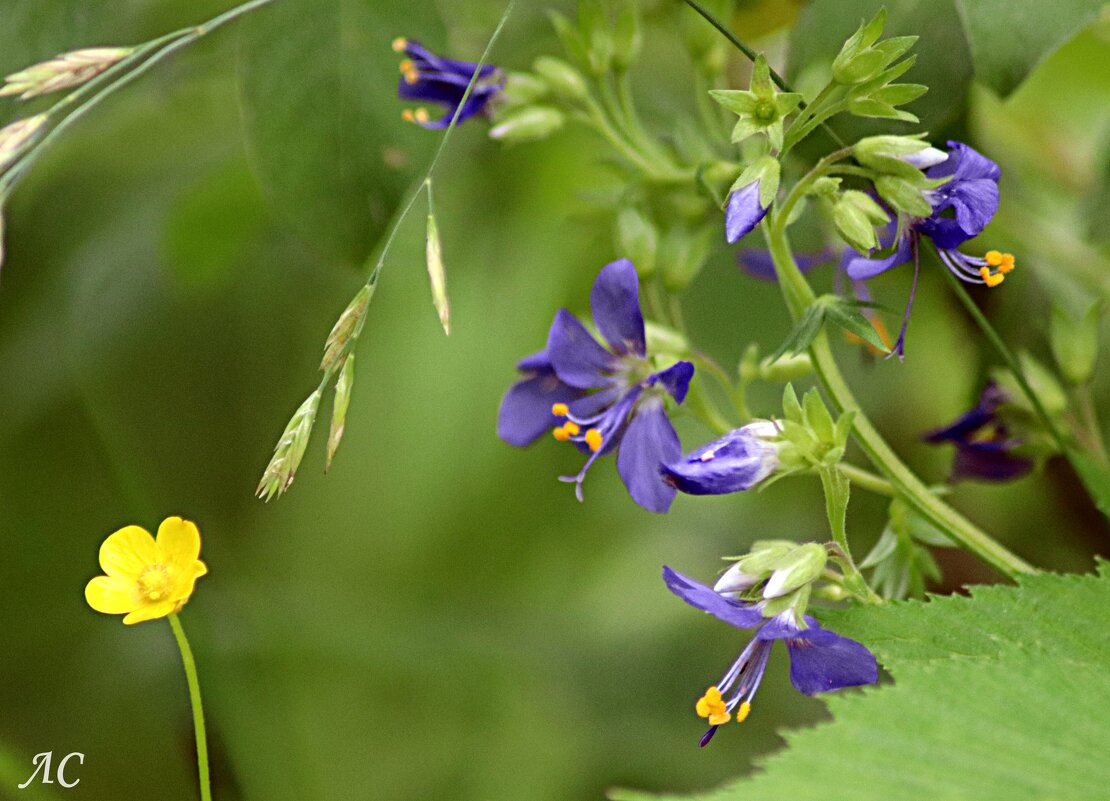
column 438, row 617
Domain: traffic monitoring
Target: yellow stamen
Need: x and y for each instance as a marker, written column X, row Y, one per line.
column 560, row 434
column 421, row 115
column 993, row 258
column 593, row 439
column 560, row 409
column 407, row 115
column 742, row 711
column 399, row 44
column 712, row 707
column 989, row 278
column 571, row 428
column 1007, row 263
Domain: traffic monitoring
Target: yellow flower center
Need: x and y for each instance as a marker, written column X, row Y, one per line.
column 712, row 707
column 1002, row 262
column 155, row 582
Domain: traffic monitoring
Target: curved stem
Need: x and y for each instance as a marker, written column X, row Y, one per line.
column 799, row 296
column 198, row 710
column 865, row 479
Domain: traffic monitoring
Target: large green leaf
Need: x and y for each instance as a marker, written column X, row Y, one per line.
column 318, row 82
column 1009, row 39
column 998, row 696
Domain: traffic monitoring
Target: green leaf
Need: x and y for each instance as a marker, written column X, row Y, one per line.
column 996, row 697
column 321, row 117
column 803, row 332
column 854, row 322
column 1009, row 39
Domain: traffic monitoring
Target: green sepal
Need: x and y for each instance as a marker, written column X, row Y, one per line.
column 902, row 195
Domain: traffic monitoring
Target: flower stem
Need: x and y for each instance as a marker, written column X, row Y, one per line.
column 198, row 710
column 865, row 479
column 799, row 296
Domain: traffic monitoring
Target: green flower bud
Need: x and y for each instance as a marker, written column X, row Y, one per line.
column 903, row 195
column 522, row 89
column 855, row 215
column 785, row 368
column 637, row 240
column 795, row 601
column 797, row 568
column 681, row 256
column 528, row 123
column 564, row 80
column 626, row 36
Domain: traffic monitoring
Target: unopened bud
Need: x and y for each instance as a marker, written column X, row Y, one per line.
column 527, row 124
column 785, row 368
column 637, row 240
column 564, row 80
column 855, row 215
column 799, row 567
column 903, row 195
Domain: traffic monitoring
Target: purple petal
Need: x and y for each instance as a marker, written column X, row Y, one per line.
column 425, row 59
column 743, row 213
column 525, row 412
column 742, row 616
column 860, row 268
column 615, row 302
column 965, row 163
column 735, row 462
column 649, row 442
column 757, row 262
column 822, row 660
column 576, row 356
column 675, row 379
column 971, row 421
column 590, row 406
column 989, row 460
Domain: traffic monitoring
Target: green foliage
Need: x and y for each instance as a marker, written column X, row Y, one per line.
column 996, row 697
column 1009, row 39
column 318, row 139
column 835, row 310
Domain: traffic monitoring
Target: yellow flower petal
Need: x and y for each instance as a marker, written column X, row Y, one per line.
column 126, row 552
column 151, row 612
column 112, row 596
column 179, row 541
column 185, row 581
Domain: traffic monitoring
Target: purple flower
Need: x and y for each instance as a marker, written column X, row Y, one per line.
column 820, row 660
column 983, row 448
column 737, row 461
column 428, row 78
column 962, row 207
column 627, row 412
column 744, row 212
column 757, row 262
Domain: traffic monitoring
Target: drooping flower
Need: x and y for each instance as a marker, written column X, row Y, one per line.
column 626, row 414
column 961, row 209
column 739, row 460
column 428, row 78
column 820, row 660
column 984, row 448
column 147, row 578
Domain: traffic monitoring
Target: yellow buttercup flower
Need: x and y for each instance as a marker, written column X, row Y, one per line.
column 147, row 578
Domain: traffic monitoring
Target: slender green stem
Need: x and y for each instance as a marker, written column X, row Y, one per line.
column 1012, row 363
column 837, row 489
column 127, row 70
column 198, row 709
column 799, row 296
column 865, row 479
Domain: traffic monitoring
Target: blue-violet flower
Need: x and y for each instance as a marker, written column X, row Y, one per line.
column 628, row 410
column 820, row 660
column 428, row 78
column 984, row 449
column 962, row 207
